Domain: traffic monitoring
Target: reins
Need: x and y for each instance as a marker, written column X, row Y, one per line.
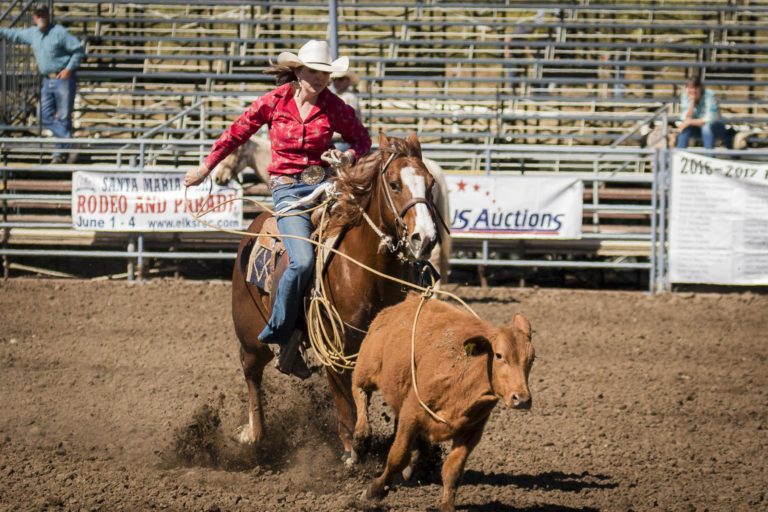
column 329, row 346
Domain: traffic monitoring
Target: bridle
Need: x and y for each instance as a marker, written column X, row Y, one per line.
column 401, row 227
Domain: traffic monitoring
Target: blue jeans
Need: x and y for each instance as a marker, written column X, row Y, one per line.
column 708, row 133
column 293, row 283
column 57, row 100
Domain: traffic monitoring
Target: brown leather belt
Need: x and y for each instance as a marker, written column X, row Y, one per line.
column 312, row 175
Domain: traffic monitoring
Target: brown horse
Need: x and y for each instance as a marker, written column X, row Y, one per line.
column 392, row 187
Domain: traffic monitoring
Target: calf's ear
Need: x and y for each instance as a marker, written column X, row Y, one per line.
column 477, row 345
column 520, row 322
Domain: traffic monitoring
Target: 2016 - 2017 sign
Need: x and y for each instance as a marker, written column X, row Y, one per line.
column 151, row 202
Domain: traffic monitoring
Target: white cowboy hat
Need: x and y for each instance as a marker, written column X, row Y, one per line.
column 314, row 55
column 354, row 78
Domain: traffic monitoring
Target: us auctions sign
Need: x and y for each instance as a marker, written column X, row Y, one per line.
column 516, row 206
column 151, row 202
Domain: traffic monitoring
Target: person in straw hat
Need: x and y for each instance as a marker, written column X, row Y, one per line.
column 343, row 85
column 302, row 115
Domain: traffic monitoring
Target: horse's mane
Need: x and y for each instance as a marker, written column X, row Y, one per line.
column 356, row 184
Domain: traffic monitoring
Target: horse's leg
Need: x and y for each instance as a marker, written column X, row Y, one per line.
column 341, row 391
column 249, row 316
column 253, row 370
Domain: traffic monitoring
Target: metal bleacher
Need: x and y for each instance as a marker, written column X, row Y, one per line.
column 467, row 76
column 536, row 73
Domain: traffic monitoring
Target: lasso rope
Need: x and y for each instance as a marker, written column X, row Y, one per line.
column 329, row 350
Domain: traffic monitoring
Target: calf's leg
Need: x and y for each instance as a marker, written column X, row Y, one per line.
column 399, row 453
column 362, row 427
column 453, row 467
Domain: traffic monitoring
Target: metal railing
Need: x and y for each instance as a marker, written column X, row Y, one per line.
column 596, row 166
column 19, row 78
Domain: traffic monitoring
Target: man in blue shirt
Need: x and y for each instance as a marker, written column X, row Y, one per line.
column 700, row 115
column 58, row 54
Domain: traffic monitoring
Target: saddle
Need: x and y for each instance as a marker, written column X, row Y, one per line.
column 267, row 260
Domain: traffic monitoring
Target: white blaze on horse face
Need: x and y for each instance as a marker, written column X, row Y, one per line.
column 425, row 226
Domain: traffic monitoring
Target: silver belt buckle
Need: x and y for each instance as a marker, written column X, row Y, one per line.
column 313, row 175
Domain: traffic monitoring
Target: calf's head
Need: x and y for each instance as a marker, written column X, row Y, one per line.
column 511, row 356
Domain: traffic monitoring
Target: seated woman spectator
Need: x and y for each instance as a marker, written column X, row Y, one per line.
column 700, row 115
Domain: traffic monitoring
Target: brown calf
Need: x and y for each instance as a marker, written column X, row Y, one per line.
column 464, row 365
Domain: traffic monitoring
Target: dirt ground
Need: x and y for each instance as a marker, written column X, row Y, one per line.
column 119, row 396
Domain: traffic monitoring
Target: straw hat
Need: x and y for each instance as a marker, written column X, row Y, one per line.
column 354, row 78
column 314, row 55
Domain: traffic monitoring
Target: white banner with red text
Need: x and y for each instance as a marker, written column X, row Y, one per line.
column 718, row 226
column 151, row 201
column 495, row 206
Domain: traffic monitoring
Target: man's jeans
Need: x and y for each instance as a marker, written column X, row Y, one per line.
column 708, row 133
column 57, row 100
column 293, row 283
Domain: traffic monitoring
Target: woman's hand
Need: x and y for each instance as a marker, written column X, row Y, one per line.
column 196, row 176
column 337, row 158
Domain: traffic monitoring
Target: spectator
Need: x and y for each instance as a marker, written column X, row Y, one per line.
column 58, row 54
column 700, row 115
column 343, row 85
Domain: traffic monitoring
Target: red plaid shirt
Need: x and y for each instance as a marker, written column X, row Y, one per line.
column 296, row 144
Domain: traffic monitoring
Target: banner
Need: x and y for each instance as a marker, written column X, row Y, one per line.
column 516, row 206
column 718, row 226
column 150, row 202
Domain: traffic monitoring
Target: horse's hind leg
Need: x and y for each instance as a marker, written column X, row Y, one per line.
column 253, row 370
column 340, row 385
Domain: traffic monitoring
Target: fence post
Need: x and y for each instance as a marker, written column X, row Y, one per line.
column 654, row 225
column 140, row 259
column 333, row 29
column 663, row 189
column 6, row 230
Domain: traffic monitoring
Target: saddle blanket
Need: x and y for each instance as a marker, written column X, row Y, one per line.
column 264, row 256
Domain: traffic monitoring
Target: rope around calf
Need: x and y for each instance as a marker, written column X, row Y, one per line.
column 331, row 351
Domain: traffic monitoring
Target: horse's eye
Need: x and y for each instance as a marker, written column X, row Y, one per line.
column 394, row 186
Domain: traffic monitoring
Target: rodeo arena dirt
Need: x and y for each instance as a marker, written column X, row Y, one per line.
column 540, row 256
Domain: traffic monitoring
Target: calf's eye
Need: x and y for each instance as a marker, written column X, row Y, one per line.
column 498, row 356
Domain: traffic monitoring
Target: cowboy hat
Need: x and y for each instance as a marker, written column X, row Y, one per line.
column 354, row 78
column 314, row 55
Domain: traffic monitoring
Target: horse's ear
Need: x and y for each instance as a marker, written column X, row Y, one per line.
column 414, row 144
column 383, row 141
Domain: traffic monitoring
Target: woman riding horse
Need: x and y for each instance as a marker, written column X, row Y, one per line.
column 302, row 115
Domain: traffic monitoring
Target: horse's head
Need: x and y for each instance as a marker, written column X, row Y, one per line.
column 406, row 195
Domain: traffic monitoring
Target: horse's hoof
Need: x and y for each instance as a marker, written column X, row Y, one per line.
column 376, row 492
column 350, row 458
column 361, row 441
column 245, row 436
column 407, row 473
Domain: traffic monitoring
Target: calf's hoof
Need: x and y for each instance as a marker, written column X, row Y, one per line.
column 446, row 507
